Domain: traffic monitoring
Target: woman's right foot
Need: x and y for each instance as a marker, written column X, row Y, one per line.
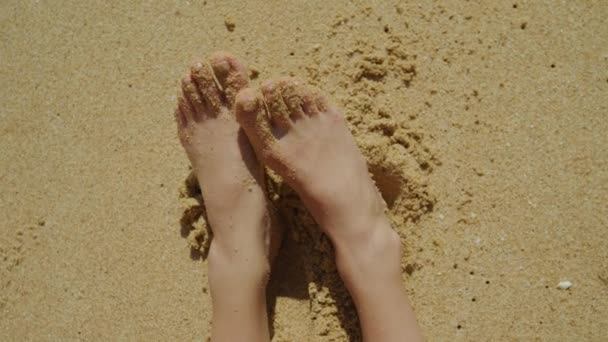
column 299, row 134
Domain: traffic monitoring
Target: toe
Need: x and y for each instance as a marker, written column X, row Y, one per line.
column 180, row 118
column 202, row 75
column 277, row 109
column 187, row 113
column 292, row 91
column 250, row 114
column 231, row 75
column 319, row 100
column 193, row 97
column 309, row 100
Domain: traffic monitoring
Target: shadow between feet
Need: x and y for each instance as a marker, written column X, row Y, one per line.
column 331, row 307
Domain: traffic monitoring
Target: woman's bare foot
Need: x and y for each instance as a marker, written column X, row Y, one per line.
column 305, row 139
column 233, row 190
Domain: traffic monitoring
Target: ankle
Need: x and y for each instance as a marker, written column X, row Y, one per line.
column 234, row 269
column 375, row 257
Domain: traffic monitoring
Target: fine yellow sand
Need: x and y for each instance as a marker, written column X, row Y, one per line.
column 484, row 126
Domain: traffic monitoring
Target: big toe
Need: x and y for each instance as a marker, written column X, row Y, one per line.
column 251, row 115
column 231, row 75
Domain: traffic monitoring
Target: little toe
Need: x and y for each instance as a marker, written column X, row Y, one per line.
column 250, row 114
column 185, row 109
column 180, row 117
column 292, row 91
column 202, row 75
column 230, row 73
column 194, row 98
column 277, row 109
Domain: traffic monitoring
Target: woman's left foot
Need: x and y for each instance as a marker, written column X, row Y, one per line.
column 231, row 179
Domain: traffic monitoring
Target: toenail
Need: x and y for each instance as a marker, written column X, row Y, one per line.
column 222, row 67
column 250, row 105
column 267, row 84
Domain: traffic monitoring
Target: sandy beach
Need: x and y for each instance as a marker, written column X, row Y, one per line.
column 484, row 126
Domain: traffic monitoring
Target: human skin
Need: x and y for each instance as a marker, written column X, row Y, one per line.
column 297, row 132
column 245, row 238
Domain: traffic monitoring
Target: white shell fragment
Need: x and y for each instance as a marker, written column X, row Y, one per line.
column 564, row 285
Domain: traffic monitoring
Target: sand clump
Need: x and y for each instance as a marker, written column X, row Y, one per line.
column 194, row 226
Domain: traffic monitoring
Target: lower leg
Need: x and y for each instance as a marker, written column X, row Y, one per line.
column 370, row 269
column 237, row 282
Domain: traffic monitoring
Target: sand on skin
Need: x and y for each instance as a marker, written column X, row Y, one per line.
column 483, row 126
